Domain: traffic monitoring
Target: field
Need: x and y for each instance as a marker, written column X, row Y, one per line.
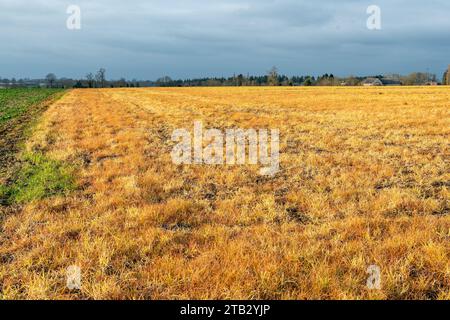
column 364, row 180
column 19, row 109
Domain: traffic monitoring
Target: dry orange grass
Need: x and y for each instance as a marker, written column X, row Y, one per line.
column 364, row 181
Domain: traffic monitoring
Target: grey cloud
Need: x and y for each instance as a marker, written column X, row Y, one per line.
column 186, row 38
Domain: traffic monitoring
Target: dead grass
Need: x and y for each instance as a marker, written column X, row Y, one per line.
column 365, row 180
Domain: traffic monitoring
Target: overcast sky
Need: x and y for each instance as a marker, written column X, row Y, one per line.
column 146, row 39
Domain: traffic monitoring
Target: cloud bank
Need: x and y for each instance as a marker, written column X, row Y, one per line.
column 191, row 38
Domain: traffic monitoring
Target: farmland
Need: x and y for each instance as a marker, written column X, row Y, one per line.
column 364, row 180
column 19, row 110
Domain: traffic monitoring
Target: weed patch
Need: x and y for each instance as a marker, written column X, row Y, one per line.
column 39, row 177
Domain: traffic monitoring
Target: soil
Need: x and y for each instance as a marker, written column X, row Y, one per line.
column 13, row 135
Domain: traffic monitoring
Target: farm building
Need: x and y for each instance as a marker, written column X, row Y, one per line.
column 372, row 82
column 375, row 82
column 390, row 82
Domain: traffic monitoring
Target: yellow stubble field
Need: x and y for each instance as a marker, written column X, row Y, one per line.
column 364, row 181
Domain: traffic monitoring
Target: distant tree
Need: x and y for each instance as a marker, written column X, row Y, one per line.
column 51, row 79
column 122, row 83
column 351, row 81
column 90, row 80
column 213, row 83
column 417, row 78
column 308, row 82
column 446, row 77
column 326, row 80
column 240, row 80
column 272, row 76
column 101, row 77
column 164, row 81
column 78, row 84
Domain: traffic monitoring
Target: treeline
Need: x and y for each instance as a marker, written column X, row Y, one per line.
column 281, row 80
column 91, row 80
column 272, row 78
column 98, row 80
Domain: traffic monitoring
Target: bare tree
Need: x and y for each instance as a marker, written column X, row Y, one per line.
column 51, row 79
column 272, row 76
column 164, row 80
column 100, row 77
column 90, row 79
column 446, row 80
column 448, row 75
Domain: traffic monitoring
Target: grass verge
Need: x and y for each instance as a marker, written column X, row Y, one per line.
column 39, row 177
column 26, row 176
column 19, row 111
